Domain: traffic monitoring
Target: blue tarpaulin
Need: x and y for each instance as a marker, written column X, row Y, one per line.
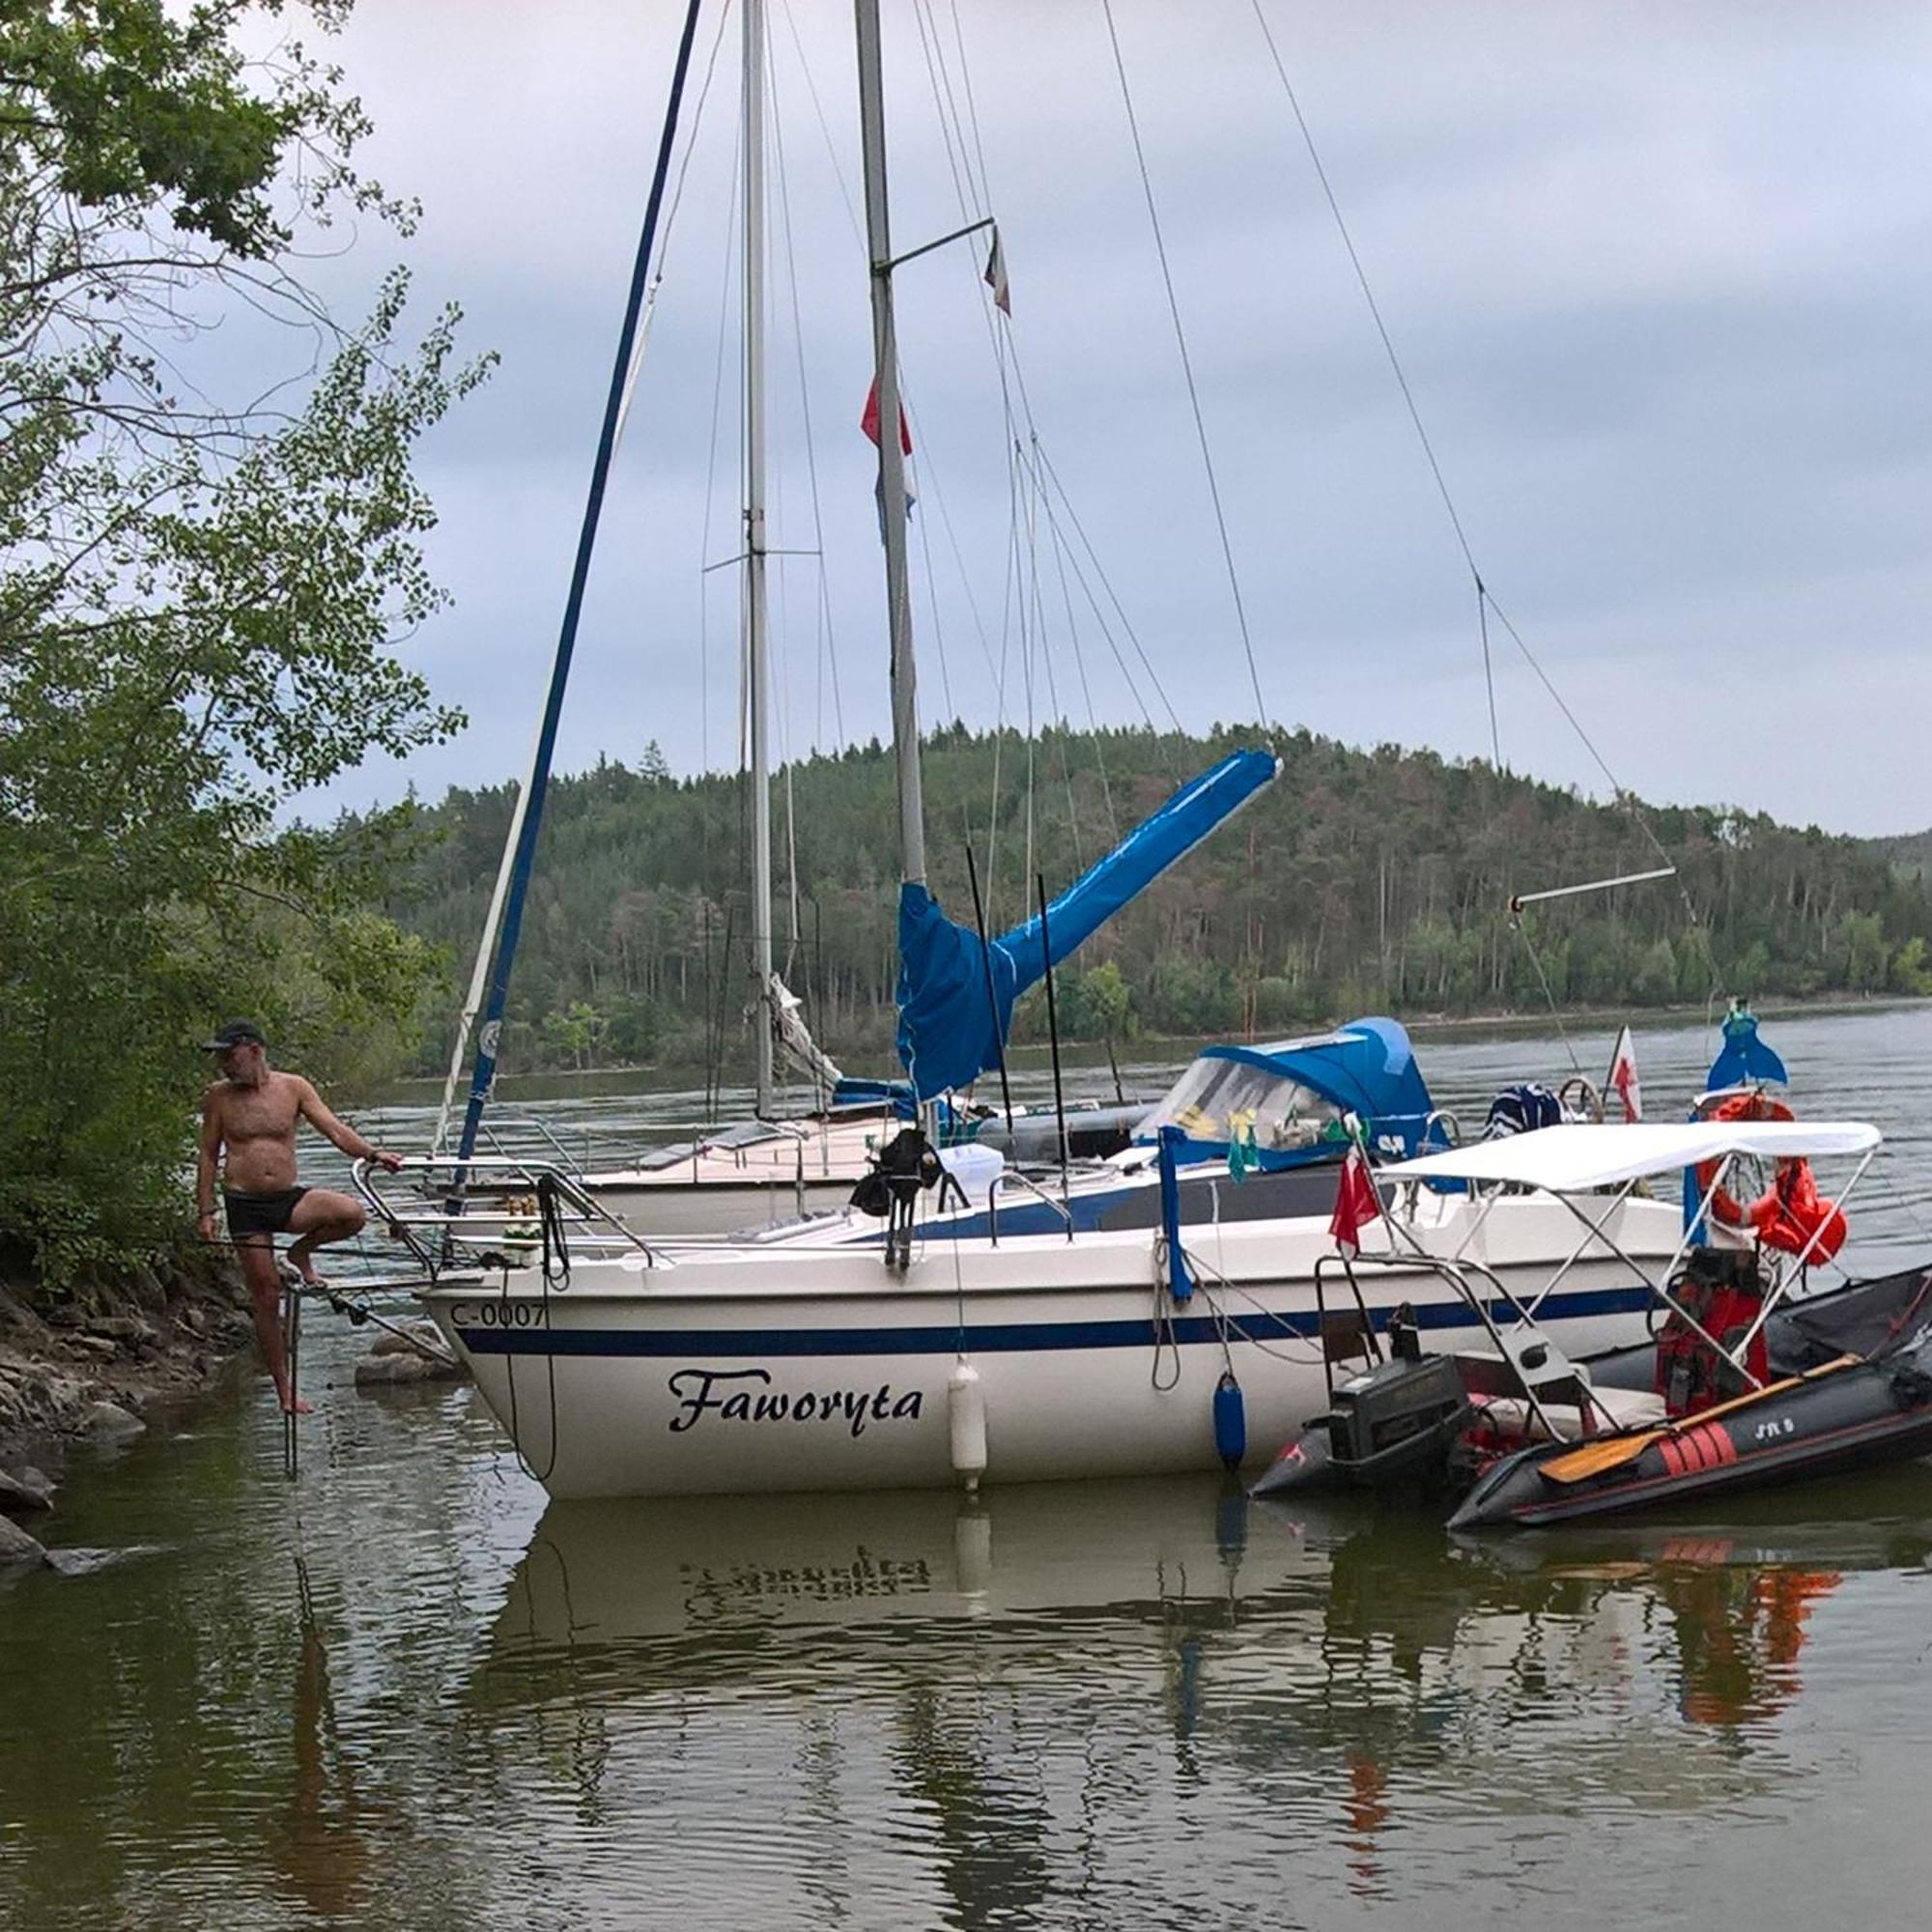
column 1366, row 1067
column 949, row 1032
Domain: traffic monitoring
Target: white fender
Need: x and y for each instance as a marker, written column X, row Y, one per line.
column 966, row 1419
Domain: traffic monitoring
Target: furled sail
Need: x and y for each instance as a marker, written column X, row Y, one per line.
column 950, row 1030
column 793, row 1037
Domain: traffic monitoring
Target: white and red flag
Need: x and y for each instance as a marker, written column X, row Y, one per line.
column 869, row 420
column 1623, row 1081
column 996, row 278
column 1356, row 1203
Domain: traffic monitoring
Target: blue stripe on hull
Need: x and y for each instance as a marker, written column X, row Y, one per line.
column 1001, row 1338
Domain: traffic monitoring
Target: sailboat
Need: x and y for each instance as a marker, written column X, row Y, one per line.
column 907, row 1363
column 773, row 1169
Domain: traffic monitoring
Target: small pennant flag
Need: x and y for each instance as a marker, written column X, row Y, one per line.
column 869, row 420
column 1622, row 1080
column 1357, row 1203
column 996, row 278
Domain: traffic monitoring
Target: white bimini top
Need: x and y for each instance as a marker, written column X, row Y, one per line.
column 1579, row 1159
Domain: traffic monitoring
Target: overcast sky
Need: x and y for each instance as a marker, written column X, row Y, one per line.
column 1659, row 277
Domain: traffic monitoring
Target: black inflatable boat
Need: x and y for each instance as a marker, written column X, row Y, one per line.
column 1843, row 1414
column 1744, row 1383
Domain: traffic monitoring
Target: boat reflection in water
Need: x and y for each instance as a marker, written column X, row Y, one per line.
column 984, row 1688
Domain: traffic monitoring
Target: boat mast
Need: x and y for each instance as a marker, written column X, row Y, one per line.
column 757, row 656
column 514, row 880
column 891, row 457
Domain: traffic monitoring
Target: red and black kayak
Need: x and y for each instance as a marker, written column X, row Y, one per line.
column 1841, row 1414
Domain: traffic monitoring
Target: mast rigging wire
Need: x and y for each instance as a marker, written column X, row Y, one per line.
column 1187, row 367
column 1394, row 361
column 1484, row 601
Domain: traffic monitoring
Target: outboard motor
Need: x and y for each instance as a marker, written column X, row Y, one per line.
column 901, row 1170
column 1394, row 1425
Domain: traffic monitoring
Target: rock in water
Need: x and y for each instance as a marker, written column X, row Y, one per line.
column 406, row 1337
column 404, row 1366
column 109, row 1421
column 28, row 1491
column 17, row 1547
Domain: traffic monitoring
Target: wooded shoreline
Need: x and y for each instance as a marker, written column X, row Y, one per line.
column 1360, row 881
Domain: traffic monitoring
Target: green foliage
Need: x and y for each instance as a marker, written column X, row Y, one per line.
column 200, row 605
column 1359, row 881
column 1910, row 972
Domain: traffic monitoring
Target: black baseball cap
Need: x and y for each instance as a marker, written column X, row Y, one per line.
column 236, row 1033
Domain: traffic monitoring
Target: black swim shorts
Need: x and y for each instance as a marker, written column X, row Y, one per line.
column 261, row 1213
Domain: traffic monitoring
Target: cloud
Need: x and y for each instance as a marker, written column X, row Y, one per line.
column 1656, row 275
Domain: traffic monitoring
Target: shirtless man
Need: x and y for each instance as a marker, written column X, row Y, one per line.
column 248, row 1120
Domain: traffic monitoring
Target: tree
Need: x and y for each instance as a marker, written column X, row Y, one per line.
column 574, row 1032
column 1909, row 973
column 1108, row 1000
column 201, row 597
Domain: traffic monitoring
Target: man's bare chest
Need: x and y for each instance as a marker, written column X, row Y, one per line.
column 263, row 1113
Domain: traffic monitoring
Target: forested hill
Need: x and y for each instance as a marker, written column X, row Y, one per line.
column 1359, row 881
column 1906, row 852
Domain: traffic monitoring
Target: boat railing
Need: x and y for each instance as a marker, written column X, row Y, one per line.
column 736, row 1138
column 493, row 1210
column 1009, row 1177
column 506, row 1137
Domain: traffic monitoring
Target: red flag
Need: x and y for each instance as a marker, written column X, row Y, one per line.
column 869, row 420
column 1357, row 1203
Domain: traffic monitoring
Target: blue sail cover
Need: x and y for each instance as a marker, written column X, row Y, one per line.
column 949, row 1032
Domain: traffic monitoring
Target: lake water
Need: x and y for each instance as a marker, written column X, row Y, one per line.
column 403, row 1690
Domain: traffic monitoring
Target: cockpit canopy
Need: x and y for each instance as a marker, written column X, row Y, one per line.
column 1292, row 1095
column 1218, row 1097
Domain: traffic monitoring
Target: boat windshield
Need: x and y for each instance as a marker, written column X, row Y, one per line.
column 1214, row 1098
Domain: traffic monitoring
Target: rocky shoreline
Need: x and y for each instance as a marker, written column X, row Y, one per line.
column 98, row 1367
column 94, row 1367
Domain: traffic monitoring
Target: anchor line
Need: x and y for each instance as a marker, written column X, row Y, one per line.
column 360, row 1312
column 554, row 1270
column 524, row 1461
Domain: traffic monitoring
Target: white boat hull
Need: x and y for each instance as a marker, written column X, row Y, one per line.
column 726, row 1187
column 736, row 1370
column 678, row 1211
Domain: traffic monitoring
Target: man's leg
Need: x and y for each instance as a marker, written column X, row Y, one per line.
column 318, row 1218
column 256, row 1254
